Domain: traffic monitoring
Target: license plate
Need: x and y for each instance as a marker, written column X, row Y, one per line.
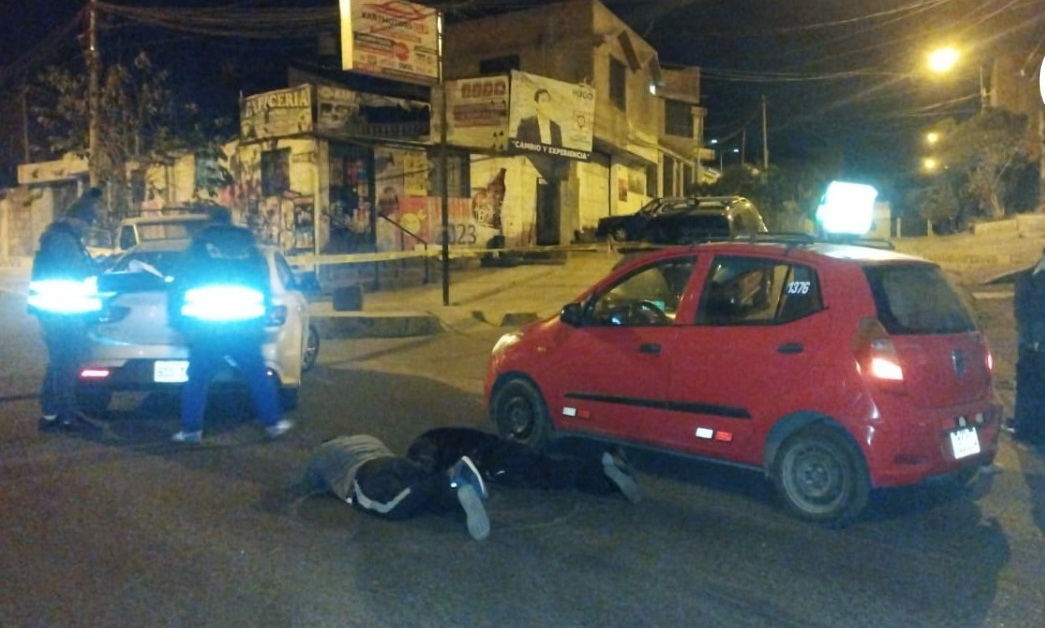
column 170, row 371
column 965, row 442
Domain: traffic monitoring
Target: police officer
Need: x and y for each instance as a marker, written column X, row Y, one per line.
column 219, row 300
column 1029, row 417
column 63, row 296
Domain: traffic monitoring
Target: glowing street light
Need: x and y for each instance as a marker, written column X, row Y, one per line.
column 929, row 164
column 943, row 59
column 932, row 137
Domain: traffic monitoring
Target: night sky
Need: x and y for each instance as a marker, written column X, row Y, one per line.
column 838, row 76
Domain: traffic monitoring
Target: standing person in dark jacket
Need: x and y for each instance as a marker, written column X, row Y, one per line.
column 1030, row 366
column 219, row 300
column 63, row 295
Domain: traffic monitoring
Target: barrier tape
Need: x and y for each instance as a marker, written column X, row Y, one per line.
column 311, row 259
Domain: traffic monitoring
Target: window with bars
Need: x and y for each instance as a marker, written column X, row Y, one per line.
column 678, row 118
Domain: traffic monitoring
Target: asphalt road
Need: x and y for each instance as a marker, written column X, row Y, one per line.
column 123, row 529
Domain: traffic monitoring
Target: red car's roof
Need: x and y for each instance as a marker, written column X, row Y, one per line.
column 847, row 252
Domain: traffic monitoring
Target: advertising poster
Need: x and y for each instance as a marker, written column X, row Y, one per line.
column 345, row 113
column 477, row 113
column 550, row 117
column 390, row 38
column 401, row 198
column 280, row 113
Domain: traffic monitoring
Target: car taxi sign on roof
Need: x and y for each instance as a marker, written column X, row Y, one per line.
column 847, row 208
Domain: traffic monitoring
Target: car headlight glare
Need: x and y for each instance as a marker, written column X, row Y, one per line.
column 506, row 341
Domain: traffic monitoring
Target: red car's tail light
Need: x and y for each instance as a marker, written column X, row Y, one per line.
column 277, row 315
column 876, row 355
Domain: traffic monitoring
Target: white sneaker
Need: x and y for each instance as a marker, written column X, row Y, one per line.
column 280, row 428
column 187, row 437
column 477, row 521
column 618, row 471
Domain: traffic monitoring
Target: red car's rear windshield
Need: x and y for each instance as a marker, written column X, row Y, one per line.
column 918, row 299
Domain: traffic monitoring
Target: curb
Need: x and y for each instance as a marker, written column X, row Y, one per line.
column 377, row 325
column 506, row 319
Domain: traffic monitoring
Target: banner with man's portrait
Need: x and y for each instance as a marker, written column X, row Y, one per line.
column 550, row 117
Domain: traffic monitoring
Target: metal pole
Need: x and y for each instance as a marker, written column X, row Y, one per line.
column 765, row 140
column 443, row 174
column 25, row 123
column 93, row 100
column 983, row 91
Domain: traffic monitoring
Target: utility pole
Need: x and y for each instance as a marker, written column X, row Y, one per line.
column 25, row 122
column 444, row 182
column 93, row 93
column 765, row 141
column 743, row 145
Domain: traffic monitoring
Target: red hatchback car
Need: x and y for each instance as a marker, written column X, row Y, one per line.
column 832, row 368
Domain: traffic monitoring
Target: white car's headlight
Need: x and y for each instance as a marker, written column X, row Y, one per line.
column 506, row 341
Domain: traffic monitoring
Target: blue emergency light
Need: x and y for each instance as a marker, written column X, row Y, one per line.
column 224, row 303
column 65, row 296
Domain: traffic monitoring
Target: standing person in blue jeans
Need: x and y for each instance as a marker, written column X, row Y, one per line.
column 219, row 300
column 63, row 296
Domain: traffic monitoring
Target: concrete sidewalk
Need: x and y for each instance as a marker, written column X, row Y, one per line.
column 491, row 296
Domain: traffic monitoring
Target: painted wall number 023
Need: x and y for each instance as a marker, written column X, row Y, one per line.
column 461, row 233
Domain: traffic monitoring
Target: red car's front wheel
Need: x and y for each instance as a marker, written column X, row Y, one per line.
column 520, row 413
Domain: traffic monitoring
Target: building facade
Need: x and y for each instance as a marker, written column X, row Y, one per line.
column 647, row 123
column 582, row 122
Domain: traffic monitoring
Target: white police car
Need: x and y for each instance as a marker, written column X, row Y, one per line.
column 133, row 348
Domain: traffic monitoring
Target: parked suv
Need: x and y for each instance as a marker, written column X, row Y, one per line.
column 626, row 227
column 831, row 368
column 702, row 219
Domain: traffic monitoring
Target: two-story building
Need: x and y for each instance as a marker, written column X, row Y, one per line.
column 645, row 123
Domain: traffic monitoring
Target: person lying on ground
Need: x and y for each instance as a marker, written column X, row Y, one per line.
column 509, row 463
column 439, row 474
column 362, row 471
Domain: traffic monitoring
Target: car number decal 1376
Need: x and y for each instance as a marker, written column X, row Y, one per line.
column 798, row 287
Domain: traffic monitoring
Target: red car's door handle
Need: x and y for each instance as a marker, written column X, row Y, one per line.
column 649, row 347
column 791, row 347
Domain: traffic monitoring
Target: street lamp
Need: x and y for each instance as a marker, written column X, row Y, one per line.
column 943, row 60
